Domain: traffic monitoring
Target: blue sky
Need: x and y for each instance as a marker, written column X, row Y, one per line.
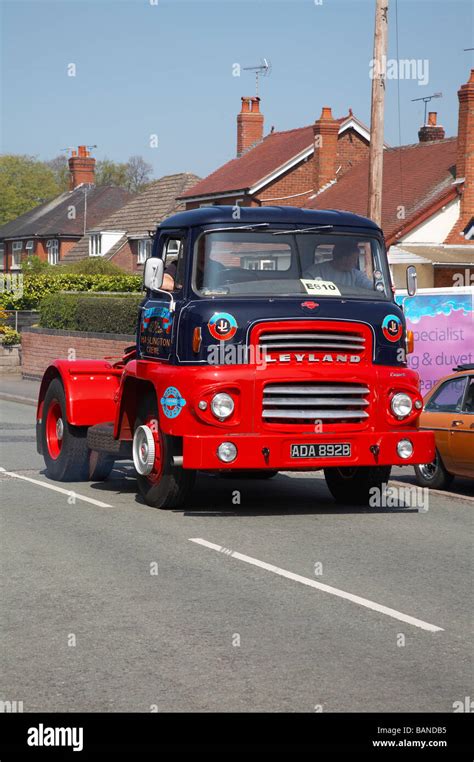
column 165, row 69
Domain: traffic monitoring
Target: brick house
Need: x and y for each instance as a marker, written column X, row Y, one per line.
column 428, row 187
column 52, row 229
column 427, row 200
column 125, row 237
column 282, row 167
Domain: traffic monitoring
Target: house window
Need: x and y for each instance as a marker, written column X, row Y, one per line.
column 17, row 248
column 30, row 247
column 95, row 245
column 259, row 264
column 2, row 256
column 144, row 250
column 53, row 251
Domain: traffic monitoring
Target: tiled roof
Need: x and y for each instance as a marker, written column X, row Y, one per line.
column 53, row 217
column 273, row 152
column 242, row 173
column 141, row 214
column 415, row 178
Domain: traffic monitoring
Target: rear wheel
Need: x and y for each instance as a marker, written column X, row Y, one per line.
column 355, row 486
column 433, row 474
column 161, row 483
column 65, row 451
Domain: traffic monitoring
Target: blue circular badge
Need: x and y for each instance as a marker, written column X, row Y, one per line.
column 171, row 402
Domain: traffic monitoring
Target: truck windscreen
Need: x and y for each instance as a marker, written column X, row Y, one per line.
column 266, row 263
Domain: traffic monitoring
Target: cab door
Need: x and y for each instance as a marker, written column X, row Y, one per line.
column 156, row 329
column 461, row 434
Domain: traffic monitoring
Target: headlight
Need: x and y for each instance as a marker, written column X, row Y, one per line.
column 222, row 405
column 227, row 452
column 401, row 405
column 405, row 448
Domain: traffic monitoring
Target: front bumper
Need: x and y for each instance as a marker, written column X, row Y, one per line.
column 200, row 452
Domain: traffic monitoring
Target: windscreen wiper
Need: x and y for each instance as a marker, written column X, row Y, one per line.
column 314, row 229
column 239, row 227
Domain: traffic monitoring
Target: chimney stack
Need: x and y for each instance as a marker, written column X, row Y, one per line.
column 249, row 124
column 465, row 152
column 325, row 132
column 465, row 161
column 432, row 130
column 82, row 168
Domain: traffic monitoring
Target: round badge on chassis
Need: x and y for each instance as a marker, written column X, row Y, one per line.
column 143, row 450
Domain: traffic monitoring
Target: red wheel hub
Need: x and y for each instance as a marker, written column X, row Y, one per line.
column 54, row 429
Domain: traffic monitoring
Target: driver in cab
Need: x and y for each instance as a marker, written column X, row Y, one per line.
column 342, row 269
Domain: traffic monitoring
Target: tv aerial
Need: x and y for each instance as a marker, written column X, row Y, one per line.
column 426, row 99
column 262, row 70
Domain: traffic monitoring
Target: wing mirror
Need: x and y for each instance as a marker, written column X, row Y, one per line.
column 412, row 280
column 153, row 274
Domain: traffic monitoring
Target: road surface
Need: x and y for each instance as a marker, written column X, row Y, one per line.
column 257, row 596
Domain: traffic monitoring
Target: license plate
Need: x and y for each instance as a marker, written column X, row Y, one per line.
column 326, row 450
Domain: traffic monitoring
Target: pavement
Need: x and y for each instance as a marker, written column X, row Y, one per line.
column 256, row 596
column 16, row 389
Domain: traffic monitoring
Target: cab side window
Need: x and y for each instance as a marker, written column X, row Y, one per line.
column 173, row 257
column 449, row 397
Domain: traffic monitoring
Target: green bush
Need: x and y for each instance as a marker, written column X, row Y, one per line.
column 99, row 313
column 35, row 265
column 92, row 266
column 35, row 287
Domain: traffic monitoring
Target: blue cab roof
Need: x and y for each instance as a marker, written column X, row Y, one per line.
column 289, row 215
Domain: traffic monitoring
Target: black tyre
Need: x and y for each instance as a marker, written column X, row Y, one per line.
column 65, row 450
column 433, row 474
column 167, row 485
column 352, row 486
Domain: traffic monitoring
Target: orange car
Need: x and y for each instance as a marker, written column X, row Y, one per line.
column 449, row 412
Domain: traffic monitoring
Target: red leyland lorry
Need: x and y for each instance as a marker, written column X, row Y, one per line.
column 268, row 340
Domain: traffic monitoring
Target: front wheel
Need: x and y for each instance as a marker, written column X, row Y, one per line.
column 433, row 474
column 356, row 486
column 162, row 484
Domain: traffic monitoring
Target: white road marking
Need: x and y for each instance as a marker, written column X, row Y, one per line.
column 320, row 586
column 68, row 492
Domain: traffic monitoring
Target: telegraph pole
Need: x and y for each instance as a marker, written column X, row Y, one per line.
column 379, row 73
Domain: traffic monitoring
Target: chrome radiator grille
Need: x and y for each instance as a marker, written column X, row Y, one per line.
column 329, row 402
column 317, row 341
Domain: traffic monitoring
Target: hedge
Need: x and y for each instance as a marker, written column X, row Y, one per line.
column 105, row 313
column 35, row 287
